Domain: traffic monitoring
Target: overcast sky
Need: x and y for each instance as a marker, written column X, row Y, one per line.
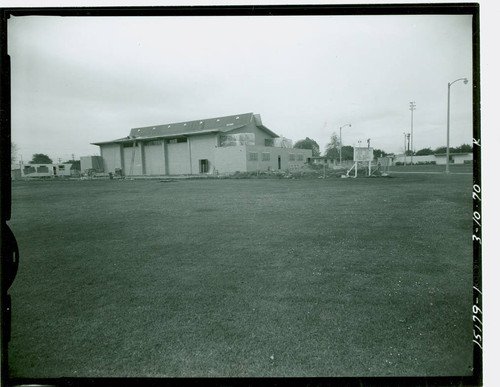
column 82, row 80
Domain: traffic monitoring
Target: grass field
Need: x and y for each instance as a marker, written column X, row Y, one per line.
column 335, row 277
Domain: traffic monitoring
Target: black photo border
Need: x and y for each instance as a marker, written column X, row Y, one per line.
column 10, row 257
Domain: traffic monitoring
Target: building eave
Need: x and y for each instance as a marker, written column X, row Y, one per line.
column 245, row 119
column 167, row 136
column 268, row 131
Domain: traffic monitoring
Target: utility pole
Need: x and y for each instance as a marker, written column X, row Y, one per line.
column 368, row 141
column 413, row 106
column 73, row 156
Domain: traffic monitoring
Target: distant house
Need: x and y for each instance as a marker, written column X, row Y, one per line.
column 214, row 145
column 45, row 170
column 439, row 159
column 455, row 158
column 322, row 160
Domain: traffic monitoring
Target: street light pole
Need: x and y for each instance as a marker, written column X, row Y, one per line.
column 448, row 124
column 413, row 106
column 404, row 145
column 340, row 152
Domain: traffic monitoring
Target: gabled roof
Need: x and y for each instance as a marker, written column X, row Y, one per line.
column 201, row 126
column 190, row 127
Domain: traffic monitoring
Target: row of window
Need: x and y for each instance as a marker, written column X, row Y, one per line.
column 177, row 140
column 266, row 156
column 42, row 168
column 153, row 142
column 158, row 142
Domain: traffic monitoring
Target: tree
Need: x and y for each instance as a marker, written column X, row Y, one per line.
column 347, row 152
column 332, row 148
column 13, row 152
column 379, row 153
column 332, row 153
column 40, row 158
column 75, row 164
column 464, row 148
column 308, row 143
column 442, row 149
column 425, row 152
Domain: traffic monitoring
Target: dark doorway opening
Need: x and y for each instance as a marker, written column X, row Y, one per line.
column 54, row 169
column 279, row 162
column 204, row 166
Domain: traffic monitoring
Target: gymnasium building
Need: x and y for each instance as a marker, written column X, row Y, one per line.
column 206, row 146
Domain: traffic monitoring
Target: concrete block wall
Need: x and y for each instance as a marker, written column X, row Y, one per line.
column 279, row 158
column 202, row 148
column 230, row 159
column 112, row 157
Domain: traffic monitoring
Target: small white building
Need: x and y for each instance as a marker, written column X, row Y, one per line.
column 438, row 159
column 323, row 160
column 455, row 158
column 45, row 170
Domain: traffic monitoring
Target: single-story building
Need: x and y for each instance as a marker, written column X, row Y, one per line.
column 455, row 158
column 45, row 170
column 439, row 159
column 324, row 161
column 91, row 163
column 215, row 145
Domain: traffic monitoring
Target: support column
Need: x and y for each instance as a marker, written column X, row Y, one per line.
column 122, row 160
column 143, row 158
column 190, row 160
column 165, row 155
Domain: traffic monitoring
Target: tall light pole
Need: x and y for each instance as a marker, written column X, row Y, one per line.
column 413, row 106
column 408, row 135
column 340, row 153
column 404, row 145
column 448, row 124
